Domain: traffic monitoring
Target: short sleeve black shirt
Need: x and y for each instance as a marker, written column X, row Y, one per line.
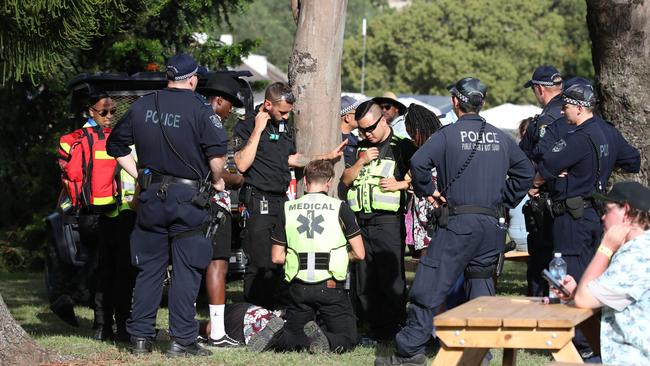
column 192, row 127
column 270, row 169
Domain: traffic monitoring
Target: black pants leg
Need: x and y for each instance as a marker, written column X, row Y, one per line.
column 263, row 280
column 381, row 283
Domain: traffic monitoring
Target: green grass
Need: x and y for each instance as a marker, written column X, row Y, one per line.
column 25, row 296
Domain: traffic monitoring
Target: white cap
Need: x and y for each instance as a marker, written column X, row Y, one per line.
column 557, row 255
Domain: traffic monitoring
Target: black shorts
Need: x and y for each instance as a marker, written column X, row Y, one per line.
column 221, row 246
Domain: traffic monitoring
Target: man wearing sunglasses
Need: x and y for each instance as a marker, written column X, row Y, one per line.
column 377, row 184
column 394, row 112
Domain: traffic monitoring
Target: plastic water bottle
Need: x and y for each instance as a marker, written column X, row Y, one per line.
column 557, row 267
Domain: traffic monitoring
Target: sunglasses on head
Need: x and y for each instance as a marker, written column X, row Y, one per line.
column 372, row 127
column 104, row 112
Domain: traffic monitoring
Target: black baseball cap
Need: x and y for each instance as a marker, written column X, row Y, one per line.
column 225, row 86
column 633, row 193
column 469, row 90
column 181, row 66
column 545, row 76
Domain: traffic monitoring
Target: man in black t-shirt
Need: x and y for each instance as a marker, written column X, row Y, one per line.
column 264, row 150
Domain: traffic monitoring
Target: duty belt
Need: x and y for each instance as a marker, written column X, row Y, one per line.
column 560, row 207
column 159, row 178
column 472, row 209
column 330, row 283
column 255, row 191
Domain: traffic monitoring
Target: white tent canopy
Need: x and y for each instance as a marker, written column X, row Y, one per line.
column 507, row 116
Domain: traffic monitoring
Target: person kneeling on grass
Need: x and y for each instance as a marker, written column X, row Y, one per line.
column 313, row 245
column 618, row 277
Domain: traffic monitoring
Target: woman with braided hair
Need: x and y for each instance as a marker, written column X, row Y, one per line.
column 420, row 124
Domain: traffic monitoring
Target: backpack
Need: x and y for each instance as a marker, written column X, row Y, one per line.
column 87, row 171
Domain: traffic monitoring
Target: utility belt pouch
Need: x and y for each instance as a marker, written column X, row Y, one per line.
column 442, row 215
column 202, row 198
column 529, row 217
column 575, row 206
column 144, row 178
column 245, row 195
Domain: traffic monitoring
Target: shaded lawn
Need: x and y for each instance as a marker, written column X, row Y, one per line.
column 25, row 296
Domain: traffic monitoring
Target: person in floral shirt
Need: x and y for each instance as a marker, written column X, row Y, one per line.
column 618, row 278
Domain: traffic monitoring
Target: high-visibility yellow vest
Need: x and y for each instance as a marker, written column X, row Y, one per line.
column 365, row 194
column 127, row 189
column 316, row 244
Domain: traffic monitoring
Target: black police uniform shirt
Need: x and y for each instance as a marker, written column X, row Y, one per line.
column 350, row 151
column 537, row 129
column 552, row 134
column 191, row 125
column 400, row 151
column 270, row 169
column 579, row 153
column 619, row 154
column 499, row 171
column 347, row 220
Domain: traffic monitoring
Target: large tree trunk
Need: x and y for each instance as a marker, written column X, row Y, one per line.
column 315, row 76
column 620, row 32
column 16, row 346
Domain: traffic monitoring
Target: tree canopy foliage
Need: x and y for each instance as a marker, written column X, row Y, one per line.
column 43, row 44
column 424, row 47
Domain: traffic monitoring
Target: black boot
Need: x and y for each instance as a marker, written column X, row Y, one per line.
column 177, row 350
column 141, row 346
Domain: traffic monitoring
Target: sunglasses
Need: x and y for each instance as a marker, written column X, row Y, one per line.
column 372, row 127
column 104, row 112
column 386, row 106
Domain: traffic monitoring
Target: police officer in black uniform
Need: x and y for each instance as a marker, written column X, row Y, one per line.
column 546, row 84
column 472, row 159
column 615, row 153
column 264, row 150
column 579, row 164
column 179, row 141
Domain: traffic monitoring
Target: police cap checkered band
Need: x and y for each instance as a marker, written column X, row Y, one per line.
column 348, row 104
column 579, row 94
column 181, row 67
column 546, row 76
column 467, row 88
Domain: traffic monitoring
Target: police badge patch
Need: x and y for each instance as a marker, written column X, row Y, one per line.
column 542, row 131
column 216, row 121
column 559, row 146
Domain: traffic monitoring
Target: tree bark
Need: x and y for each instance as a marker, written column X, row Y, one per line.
column 16, row 346
column 620, row 31
column 315, row 77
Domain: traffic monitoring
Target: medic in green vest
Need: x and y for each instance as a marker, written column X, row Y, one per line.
column 316, row 244
column 318, row 238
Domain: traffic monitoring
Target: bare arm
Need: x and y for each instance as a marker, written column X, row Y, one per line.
column 278, row 254
column 358, row 252
column 299, row 160
column 244, row 158
column 613, row 239
column 127, row 162
column 217, row 163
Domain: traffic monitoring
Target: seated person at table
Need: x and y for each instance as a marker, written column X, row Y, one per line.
column 618, row 277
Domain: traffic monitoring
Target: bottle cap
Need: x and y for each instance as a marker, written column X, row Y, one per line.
column 558, row 255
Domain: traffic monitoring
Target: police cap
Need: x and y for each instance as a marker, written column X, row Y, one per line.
column 579, row 94
column 225, row 86
column 469, row 90
column 348, row 104
column 181, row 66
column 545, row 76
column 633, row 193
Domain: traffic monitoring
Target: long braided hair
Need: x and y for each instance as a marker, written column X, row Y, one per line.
column 420, row 123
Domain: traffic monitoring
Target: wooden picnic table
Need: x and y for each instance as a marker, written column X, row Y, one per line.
column 517, row 256
column 468, row 331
